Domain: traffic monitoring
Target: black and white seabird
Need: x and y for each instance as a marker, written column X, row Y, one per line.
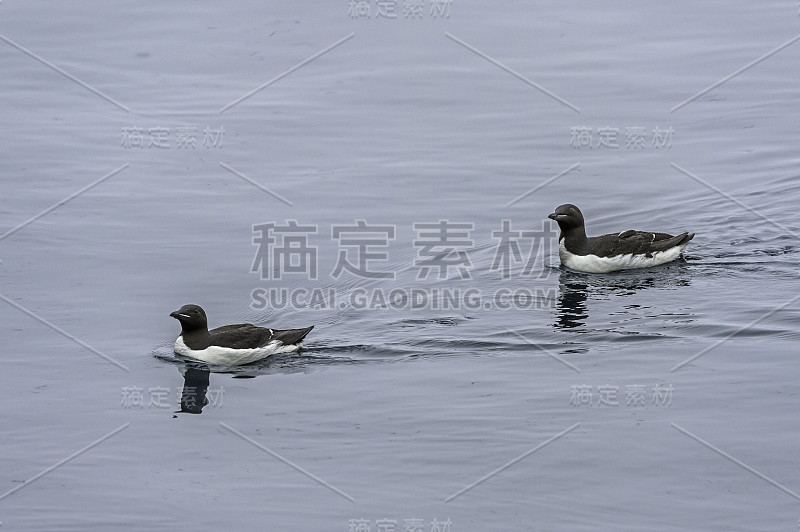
column 608, row 253
column 231, row 345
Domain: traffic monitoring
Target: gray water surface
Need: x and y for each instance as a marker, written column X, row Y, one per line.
column 585, row 407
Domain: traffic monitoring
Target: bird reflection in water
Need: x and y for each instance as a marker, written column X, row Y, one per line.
column 196, row 377
column 576, row 287
column 195, row 387
column 571, row 302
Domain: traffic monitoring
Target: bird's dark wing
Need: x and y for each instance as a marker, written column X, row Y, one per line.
column 240, row 336
column 637, row 242
column 230, row 327
column 248, row 336
column 291, row 336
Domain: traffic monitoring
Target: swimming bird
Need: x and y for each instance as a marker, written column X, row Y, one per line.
column 231, row 345
column 608, row 253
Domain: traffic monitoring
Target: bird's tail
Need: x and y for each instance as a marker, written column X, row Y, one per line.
column 291, row 336
column 680, row 240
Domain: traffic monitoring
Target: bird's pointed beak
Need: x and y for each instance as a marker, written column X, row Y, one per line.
column 554, row 216
column 177, row 315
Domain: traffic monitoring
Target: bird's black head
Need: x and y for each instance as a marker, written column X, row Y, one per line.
column 192, row 317
column 568, row 217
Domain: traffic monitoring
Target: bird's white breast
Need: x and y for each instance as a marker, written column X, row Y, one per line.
column 226, row 356
column 595, row 264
